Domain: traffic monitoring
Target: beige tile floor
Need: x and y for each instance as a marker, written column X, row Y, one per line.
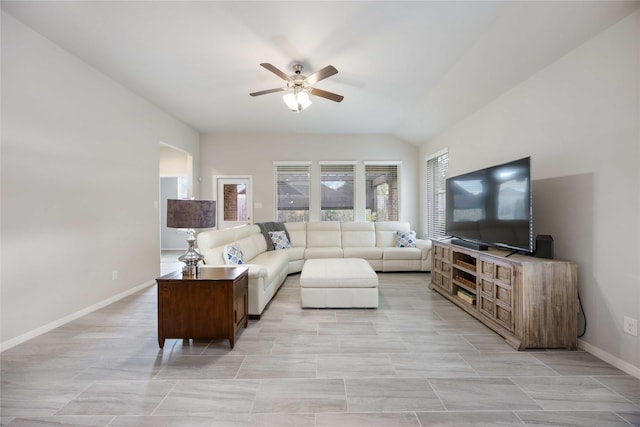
column 415, row 361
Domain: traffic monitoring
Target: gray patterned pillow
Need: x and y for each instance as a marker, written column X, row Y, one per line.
column 279, row 239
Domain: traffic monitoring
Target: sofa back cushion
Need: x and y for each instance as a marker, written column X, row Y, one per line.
column 213, row 238
column 211, row 244
column 298, row 233
column 248, row 237
column 358, row 235
column 386, row 232
column 323, row 234
column 251, row 241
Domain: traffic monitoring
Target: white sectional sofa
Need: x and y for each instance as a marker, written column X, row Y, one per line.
column 374, row 242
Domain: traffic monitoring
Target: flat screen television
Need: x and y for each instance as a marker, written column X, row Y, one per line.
column 492, row 207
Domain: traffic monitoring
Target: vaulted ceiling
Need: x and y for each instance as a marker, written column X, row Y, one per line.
column 408, row 69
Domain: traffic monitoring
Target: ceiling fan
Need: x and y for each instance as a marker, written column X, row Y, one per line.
column 300, row 87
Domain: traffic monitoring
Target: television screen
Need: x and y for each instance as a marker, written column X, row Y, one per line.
column 492, row 206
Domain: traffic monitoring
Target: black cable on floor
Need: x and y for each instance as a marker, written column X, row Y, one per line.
column 584, row 316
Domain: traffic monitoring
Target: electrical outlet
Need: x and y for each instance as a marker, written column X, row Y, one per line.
column 630, row 326
column 114, row 275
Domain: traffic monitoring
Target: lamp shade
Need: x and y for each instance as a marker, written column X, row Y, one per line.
column 182, row 213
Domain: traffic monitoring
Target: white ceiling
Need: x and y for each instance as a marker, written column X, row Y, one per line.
column 408, row 69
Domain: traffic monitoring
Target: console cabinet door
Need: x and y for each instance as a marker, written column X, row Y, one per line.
column 441, row 271
column 496, row 291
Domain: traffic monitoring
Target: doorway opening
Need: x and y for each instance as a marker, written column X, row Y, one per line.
column 176, row 182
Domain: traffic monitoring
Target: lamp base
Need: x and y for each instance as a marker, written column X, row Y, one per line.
column 191, row 258
column 190, row 270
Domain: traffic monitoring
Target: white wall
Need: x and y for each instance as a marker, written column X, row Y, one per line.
column 254, row 155
column 80, row 168
column 579, row 120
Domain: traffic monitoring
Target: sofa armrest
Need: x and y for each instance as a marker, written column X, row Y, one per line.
column 255, row 270
column 424, row 246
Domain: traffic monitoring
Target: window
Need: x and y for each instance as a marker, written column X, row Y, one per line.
column 381, row 191
column 337, row 191
column 437, row 170
column 292, row 192
column 235, row 202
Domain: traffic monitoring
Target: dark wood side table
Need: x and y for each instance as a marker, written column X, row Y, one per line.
column 213, row 304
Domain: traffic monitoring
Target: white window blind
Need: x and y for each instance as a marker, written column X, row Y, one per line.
column 337, row 192
column 437, row 170
column 292, row 192
column 382, row 191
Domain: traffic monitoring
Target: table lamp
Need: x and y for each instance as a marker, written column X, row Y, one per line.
column 191, row 214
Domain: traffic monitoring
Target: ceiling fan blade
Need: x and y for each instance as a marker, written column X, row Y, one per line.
column 328, row 95
column 264, row 92
column 327, row 71
column 276, row 71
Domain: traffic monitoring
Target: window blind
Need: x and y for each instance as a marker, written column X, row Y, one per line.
column 437, row 171
column 382, row 192
column 337, row 192
column 291, row 183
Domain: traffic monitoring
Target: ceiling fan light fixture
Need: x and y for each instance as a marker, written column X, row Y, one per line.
column 299, row 87
column 297, row 101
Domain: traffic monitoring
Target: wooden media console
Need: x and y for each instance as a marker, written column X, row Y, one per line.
column 531, row 302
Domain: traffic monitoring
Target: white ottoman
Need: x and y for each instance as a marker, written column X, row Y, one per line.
column 338, row 283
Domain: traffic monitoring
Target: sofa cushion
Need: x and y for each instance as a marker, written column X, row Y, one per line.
column 213, row 256
column 294, row 253
column 364, row 253
column 215, row 238
column 279, row 240
column 406, row 239
column 402, row 253
column 323, row 234
column 358, row 234
column 312, row 253
column 271, row 262
column 297, row 233
column 386, row 232
column 252, row 246
column 211, row 243
column 233, row 254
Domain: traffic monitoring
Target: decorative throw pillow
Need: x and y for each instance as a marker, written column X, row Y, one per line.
column 279, row 239
column 406, row 239
column 233, row 254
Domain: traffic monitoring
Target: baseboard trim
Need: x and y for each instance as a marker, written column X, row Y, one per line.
column 610, row 359
column 6, row 345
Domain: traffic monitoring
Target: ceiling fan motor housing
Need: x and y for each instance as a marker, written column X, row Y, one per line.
column 298, row 80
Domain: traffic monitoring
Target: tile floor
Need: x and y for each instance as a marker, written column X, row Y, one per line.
column 415, row 361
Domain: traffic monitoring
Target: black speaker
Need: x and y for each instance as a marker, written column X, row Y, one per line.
column 544, row 246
